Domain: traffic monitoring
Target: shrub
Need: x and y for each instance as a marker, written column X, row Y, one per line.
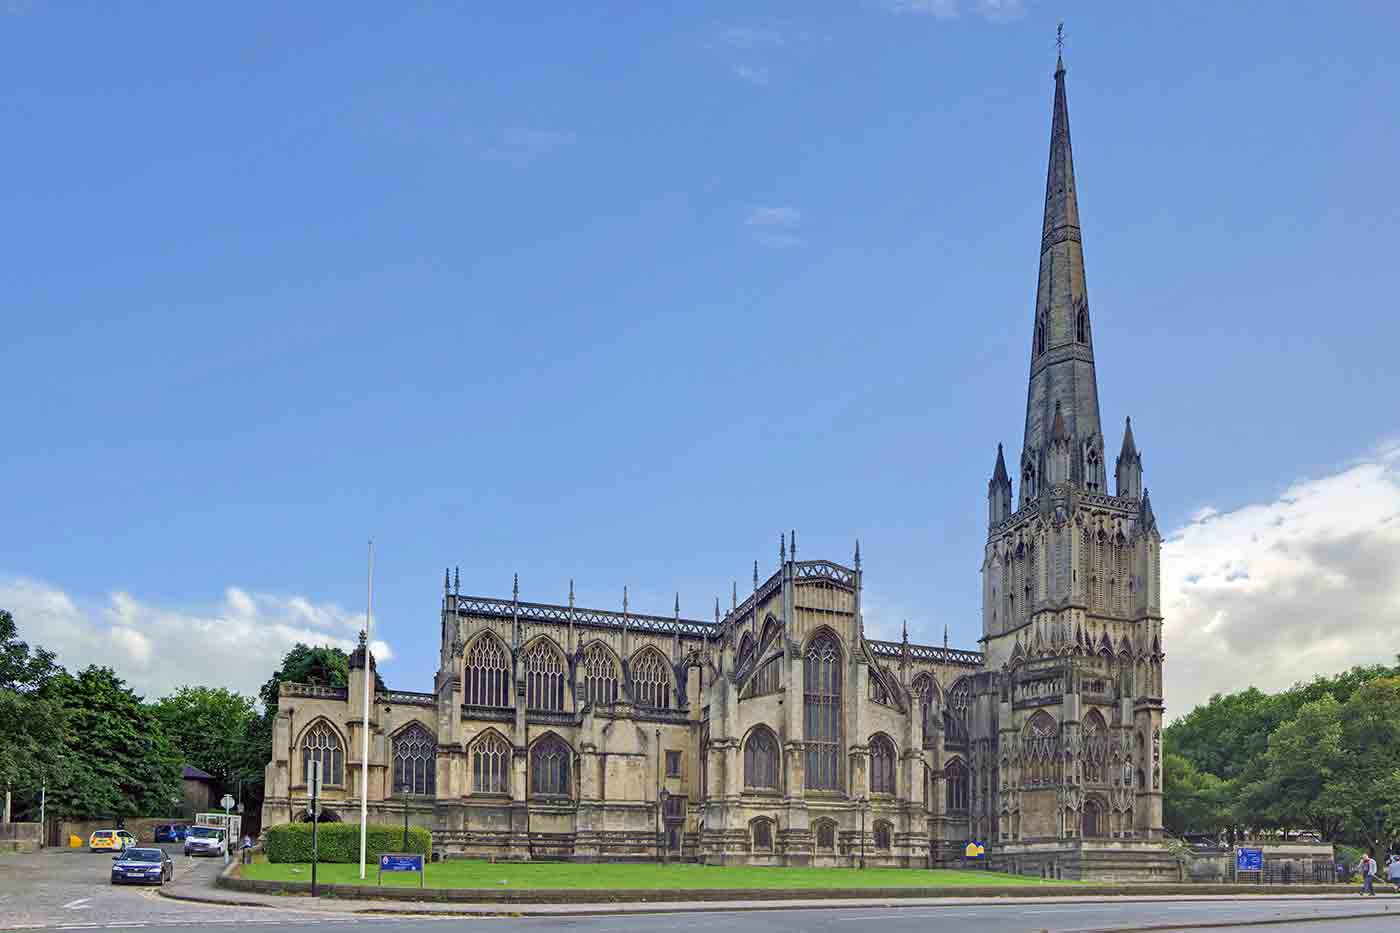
column 340, row 842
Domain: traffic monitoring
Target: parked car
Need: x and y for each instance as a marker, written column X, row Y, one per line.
column 110, row 840
column 171, row 832
column 142, row 866
column 205, row 840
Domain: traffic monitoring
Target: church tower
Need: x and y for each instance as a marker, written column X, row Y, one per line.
column 1071, row 617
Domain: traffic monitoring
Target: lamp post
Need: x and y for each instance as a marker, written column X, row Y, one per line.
column 659, row 854
column 661, row 836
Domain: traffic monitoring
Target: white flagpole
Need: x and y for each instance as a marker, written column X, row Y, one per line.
column 364, row 744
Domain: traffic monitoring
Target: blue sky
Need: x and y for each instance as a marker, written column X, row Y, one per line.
column 619, row 295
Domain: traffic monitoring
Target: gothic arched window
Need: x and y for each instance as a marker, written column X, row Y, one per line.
column 747, row 646
column 764, row 680
column 927, row 688
column 544, row 677
column 599, row 675
column 826, row 835
column 955, row 711
column 651, row 679
column 761, row 833
column 1081, row 329
column 1040, row 749
column 878, row 692
column 415, row 761
column 1095, row 748
column 322, row 743
column 822, row 713
column 550, row 759
column 1093, row 819
column 486, row 674
column 883, row 832
column 491, row 765
column 882, row 758
column 1040, row 336
column 761, row 759
column 956, row 785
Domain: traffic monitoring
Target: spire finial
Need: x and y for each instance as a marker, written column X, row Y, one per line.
column 678, row 604
column 446, row 580
column 716, row 610
column 906, row 632
column 755, row 581
column 515, row 588
column 782, row 548
column 945, row 636
column 457, row 580
column 794, row 544
column 734, row 596
column 571, row 593
column 1060, row 47
column 857, row 553
column 624, row 598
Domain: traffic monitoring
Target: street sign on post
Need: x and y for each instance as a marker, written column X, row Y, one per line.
column 1249, row 860
column 407, row 861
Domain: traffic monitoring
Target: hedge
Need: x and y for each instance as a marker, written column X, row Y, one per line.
column 340, row 842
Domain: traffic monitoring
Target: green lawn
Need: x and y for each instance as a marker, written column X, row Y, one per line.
column 521, row 876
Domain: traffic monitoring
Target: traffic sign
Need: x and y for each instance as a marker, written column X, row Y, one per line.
column 1249, row 860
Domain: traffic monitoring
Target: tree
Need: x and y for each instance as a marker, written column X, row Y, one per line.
column 1301, row 781
column 211, row 728
column 32, row 736
column 117, row 760
column 1371, row 744
column 1193, row 800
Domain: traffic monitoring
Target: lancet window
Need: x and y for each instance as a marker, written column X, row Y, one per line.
column 1096, row 749
column 761, row 831
column 765, row 679
column 826, row 835
column 415, row 761
column 322, row 743
column 550, row 759
column 761, row 759
column 955, row 712
column 878, row 692
column 883, row 833
column 955, row 783
column 925, row 687
column 882, row 759
column 822, row 713
column 544, row 678
column 1040, row 747
column 491, row 765
column 486, row 674
column 600, row 675
column 651, row 680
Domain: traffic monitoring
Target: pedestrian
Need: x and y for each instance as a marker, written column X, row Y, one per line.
column 247, row 850
column 1392, row 871
column 1368, row 874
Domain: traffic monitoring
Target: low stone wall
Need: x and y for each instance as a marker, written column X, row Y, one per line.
column 143, row 828
column 231, row 881
column 20, row 837
column 1296, row 863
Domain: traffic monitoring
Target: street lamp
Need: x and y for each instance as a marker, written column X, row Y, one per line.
column 862, row 800
column 661, row 837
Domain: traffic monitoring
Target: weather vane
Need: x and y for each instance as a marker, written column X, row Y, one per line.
column 1060, row 37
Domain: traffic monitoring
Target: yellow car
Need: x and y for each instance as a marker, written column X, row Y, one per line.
column 110, row 840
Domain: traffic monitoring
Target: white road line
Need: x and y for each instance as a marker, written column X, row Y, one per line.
column 76, row 905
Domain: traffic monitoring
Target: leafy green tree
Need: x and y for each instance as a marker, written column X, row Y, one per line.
column 117, row 760
column 1193, row 800
column 1371, row 742
column 31, row 738
column 211, row 728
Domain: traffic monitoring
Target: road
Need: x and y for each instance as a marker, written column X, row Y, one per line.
column 67, row 890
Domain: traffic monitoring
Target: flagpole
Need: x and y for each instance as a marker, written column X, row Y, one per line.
column 364, row 730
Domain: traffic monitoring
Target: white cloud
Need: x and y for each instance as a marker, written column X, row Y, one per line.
column 754, row 52
column 1001, row 11
column 155, row 649
column 775, row 226
column 753, row 74
column 1267, row 595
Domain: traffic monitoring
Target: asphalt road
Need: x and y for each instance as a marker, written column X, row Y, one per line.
column 58, row 890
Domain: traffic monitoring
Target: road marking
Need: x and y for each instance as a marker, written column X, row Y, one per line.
column 79, row 904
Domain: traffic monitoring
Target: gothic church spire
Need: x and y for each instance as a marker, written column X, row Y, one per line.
column 1062, row 354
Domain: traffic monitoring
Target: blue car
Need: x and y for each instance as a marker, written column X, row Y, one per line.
column 171, row 832
column 142, row 866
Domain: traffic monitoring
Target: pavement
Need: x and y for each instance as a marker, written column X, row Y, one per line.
column 67, row 890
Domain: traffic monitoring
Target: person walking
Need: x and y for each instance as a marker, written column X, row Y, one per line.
column 1392, row 871
column 247, row 850
column 1368, row 874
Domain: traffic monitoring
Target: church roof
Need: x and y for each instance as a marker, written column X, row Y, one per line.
column 1129, row 451
column 999, row 475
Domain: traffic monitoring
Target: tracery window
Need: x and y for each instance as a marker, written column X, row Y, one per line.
column 651, row 679
column 1096, row 749
column 746, row 649
column 883, row 832
column 761, row 759
column 764, row 680
column 955, row 712
column 927, row 688
column 491, row 765
column 956, row 785
column 550, row 759
column 761, row 831
column 415, row 761
column 878, row 692
column 599, row 675
column 882, row 757
column 1093, row 819
column 544, row 678
column 1040, row 748
column 322, row 743
column 822, row 713
column 826, row 836
column 486, row 674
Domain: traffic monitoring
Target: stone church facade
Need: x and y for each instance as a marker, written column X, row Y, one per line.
column 777, row 733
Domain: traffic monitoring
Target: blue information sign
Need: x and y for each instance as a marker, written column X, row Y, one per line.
column 412, row 861
column 1249, row 860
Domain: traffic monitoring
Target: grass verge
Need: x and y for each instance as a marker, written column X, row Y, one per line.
column 562, row 875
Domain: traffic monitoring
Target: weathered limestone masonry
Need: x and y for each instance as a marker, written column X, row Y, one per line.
column 778, row 733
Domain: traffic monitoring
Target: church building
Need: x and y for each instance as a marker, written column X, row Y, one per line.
column 777, row 733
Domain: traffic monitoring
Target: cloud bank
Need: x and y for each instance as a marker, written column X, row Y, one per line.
column 1271, row 594
column 155, row 649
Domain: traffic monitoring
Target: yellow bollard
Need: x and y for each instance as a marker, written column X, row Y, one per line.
column 74, row 842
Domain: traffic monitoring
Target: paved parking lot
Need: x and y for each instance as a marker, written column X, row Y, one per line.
column 70, row 888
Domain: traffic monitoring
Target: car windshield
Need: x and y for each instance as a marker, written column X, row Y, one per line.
column 102, row 834
column 142, row 855
column 204, row 832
